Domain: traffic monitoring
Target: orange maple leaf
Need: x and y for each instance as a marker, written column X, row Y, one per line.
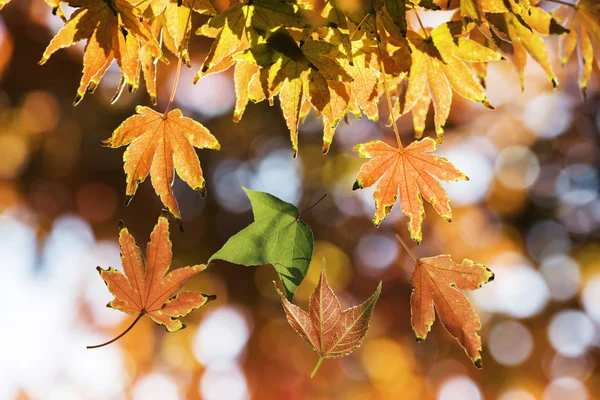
column 437, row 282
column 411, row 171
column 329, row 330
column 159, row 144
column 147, row 288
column 114, row 32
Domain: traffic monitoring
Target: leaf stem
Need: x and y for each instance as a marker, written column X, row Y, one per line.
column 421, row 22
column 121, row 335
column 387, row 91
column 403, row 243
column 359, row 25
column 311, row 207
column 179, row 61
column 312, row 374
column 564, row 3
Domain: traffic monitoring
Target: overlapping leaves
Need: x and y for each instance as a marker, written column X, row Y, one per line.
column 334, row 60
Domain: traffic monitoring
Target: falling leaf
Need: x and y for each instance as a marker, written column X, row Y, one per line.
column 159, row 145
column 414, row 173
column 583, row 21
column 114, row 32
column 277, row 237
column 329, row 330
column 438, row 66
column 436, row 284
column 147, row 287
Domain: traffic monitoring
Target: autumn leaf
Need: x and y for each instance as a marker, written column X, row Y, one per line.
column 583, row 22
column 244, row 24
column 159, row 145
column 147, row 288
column 412, row 171
column 114, row 32
column 277, row 236
column 437, row 283
column 329, row 330
column 298, row 72
column 438, row 66
column 524, row 34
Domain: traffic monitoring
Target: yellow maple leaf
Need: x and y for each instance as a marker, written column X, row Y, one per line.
column 583, row 21
column 438, row 66
column 114, row 32
column 159, row 145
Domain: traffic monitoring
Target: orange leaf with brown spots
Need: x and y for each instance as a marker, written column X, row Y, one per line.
column 147, row 287
column 159, row 145
column 412, row 171
column 436, row 284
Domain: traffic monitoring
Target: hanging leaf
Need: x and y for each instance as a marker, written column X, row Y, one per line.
column 114, row 32
column 438, row 66
column 414, row 173
column 436, row 284
column 583, row 21
column 329, row 330
column 277, row 237
column 147, row 287
column 159, row 145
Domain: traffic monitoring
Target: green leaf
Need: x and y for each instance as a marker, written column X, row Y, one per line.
column 277, row 237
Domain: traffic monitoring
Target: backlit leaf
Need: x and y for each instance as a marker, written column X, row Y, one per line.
column 147, row 287
column 584, row 25
column 438, row 66
column 414, row 173
column 114, row 32
column 159, row 145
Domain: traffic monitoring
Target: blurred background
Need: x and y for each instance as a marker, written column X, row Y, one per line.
column 530, row 212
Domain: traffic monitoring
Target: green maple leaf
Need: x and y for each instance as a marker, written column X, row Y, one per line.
column 277, row 237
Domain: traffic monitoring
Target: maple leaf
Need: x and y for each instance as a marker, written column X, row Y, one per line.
column 524, row 32
column 147, row 288
column 298, row 72
column 247, row 22
column 437, row 67
column 583, row 21
column 159, row 145
column 329, row 330
column 277, row 236
column 414, row 173
column 114, row 32
column 436, row 284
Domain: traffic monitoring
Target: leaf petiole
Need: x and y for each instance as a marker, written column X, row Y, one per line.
column 312, row 374
column 121, row 335
column 179, row 61
column 311, row 207
column 414, row 257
